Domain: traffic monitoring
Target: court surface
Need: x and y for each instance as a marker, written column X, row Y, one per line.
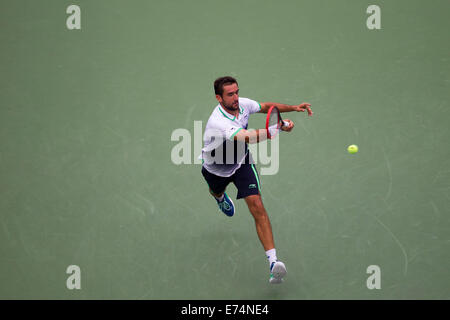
column 86, row 176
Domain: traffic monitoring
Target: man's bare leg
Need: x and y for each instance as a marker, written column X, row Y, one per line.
column 262, row 222
column 264, row 231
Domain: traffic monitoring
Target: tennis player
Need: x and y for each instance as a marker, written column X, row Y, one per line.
column 226, row 159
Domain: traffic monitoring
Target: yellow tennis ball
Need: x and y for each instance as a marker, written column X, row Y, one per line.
column 352, row 149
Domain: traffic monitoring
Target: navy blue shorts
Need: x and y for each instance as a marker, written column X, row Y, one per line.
column 245, row 179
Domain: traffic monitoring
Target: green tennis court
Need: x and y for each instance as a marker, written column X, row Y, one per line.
column 87, row 179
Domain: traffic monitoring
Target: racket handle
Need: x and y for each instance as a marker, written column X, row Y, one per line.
column 285, row 124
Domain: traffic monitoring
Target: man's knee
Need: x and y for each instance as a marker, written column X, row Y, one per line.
column 217, row 195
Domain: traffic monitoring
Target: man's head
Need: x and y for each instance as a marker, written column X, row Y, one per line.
column 227, row 92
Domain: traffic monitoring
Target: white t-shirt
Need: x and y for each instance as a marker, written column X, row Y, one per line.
column 222, row 155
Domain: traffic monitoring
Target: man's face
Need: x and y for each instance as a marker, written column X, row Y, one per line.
column 230, row 97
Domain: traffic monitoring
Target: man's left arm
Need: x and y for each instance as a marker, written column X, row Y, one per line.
column 265, row 106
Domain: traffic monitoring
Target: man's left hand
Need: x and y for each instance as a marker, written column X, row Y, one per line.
column 302, row 107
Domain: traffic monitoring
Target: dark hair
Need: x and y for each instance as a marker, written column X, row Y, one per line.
column 222, row 81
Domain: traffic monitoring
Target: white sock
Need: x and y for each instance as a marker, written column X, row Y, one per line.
column 220, row 198
column 271, row 255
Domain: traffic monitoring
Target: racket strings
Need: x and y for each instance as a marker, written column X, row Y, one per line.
column 274, row 124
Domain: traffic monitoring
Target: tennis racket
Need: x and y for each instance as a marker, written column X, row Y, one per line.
column 274, row 122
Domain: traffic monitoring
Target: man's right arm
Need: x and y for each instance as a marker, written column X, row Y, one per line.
column 251, row 136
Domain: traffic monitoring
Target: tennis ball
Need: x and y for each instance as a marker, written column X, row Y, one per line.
column 352, row 149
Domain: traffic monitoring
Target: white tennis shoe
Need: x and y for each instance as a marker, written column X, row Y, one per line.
column 277, row 272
